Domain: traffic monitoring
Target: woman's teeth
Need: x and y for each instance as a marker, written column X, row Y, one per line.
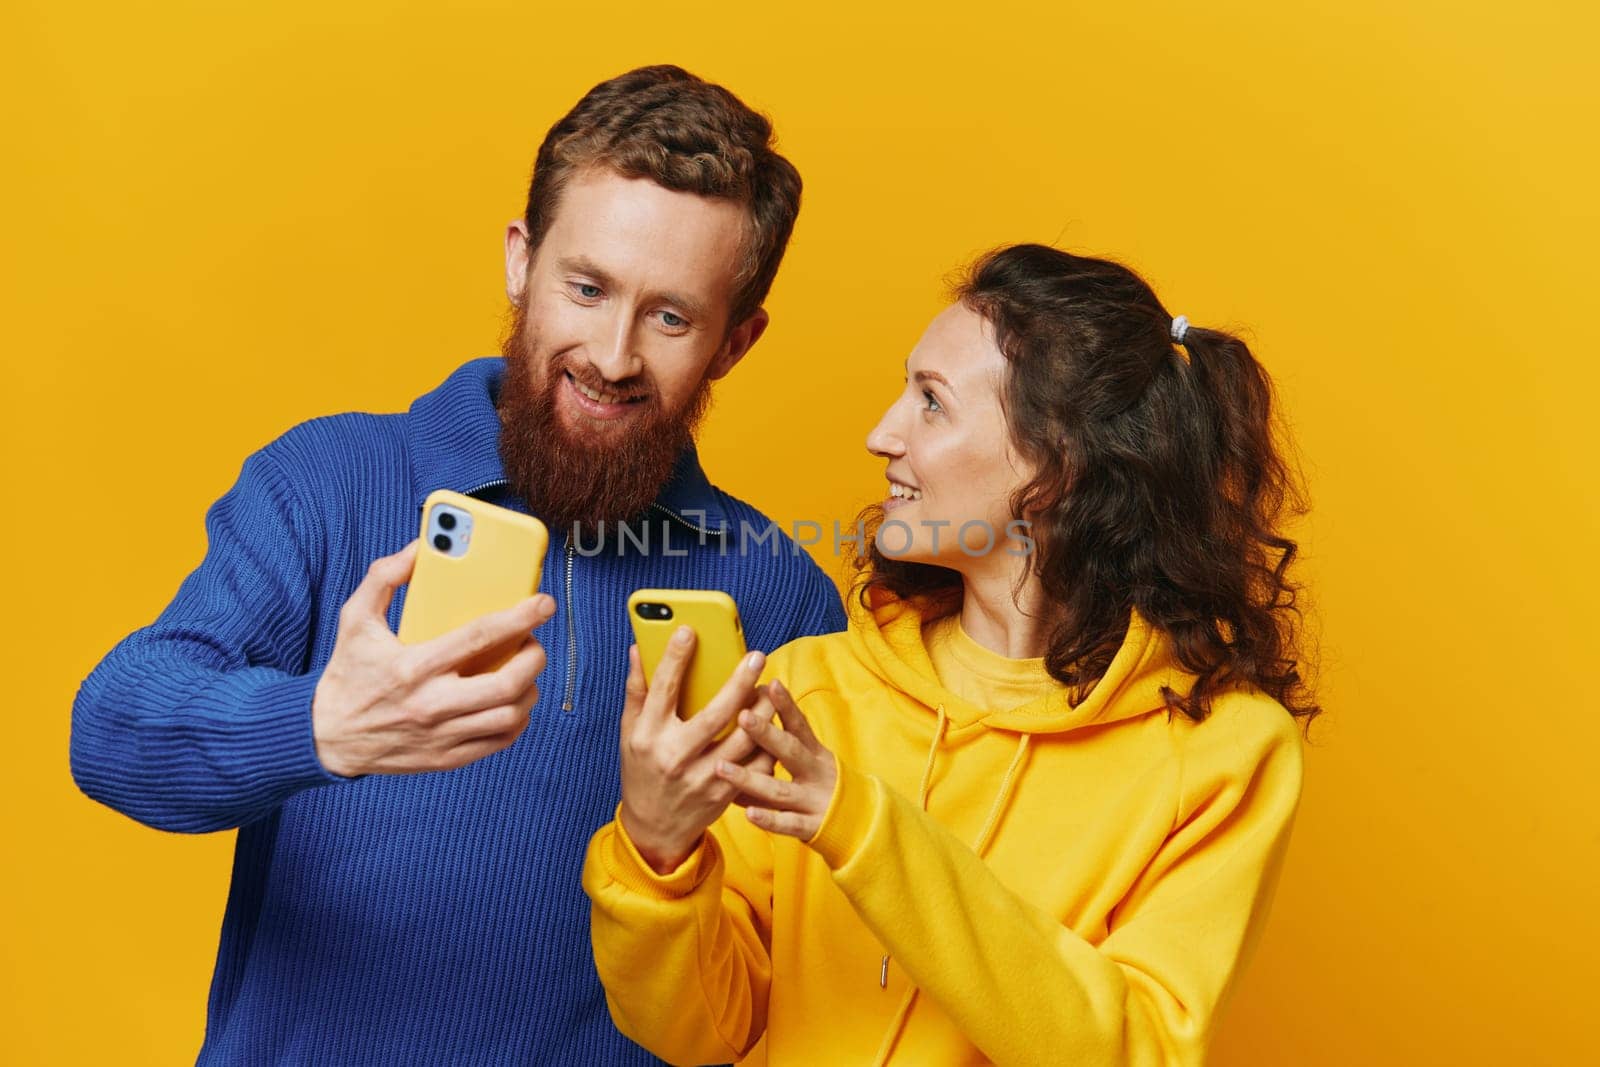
column 904, row 492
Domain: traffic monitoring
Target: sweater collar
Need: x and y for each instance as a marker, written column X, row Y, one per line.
column 455, row 434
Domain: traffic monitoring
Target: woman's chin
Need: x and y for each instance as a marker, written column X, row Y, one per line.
column 920, row 551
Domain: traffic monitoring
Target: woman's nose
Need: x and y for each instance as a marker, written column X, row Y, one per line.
column 885, row 439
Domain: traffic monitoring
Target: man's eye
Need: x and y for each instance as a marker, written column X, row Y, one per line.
column 933, row 404
column 588, row 292
column 674, row 321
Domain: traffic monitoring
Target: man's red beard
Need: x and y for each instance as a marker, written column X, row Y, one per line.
column 567, row 478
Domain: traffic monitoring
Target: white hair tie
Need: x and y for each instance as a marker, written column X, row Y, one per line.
column 1180, row 329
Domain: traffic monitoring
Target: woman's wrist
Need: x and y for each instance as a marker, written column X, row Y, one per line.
column 662, row 852
column 848, row 819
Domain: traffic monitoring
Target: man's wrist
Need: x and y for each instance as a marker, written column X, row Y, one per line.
column 327, row 751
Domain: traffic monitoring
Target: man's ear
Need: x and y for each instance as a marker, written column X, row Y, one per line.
column 516, row 260
column 740, row 340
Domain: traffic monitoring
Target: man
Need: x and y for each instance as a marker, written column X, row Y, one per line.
column 406, row 879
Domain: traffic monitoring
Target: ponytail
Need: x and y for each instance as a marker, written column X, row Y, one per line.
column 1251, row 488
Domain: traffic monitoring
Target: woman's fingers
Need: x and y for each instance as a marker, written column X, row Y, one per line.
column 789, row 713
column 661, row 700
column 790, row 823
column 758, row 764
column 633, row 702
column 795, row 807
column 781, row 744
column 736, row 693
column 765, row 789
column 737, row 746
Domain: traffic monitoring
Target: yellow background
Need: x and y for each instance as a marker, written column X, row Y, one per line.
column 222, row 219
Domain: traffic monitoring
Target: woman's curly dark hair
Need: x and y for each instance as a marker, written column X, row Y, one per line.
column 1160, row 482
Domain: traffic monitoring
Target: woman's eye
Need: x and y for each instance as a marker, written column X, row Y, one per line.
column 933, row 404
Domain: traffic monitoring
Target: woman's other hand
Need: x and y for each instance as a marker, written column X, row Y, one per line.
column 794, row 807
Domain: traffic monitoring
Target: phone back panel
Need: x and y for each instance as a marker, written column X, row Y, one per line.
column 500, row 567
column 719, row 644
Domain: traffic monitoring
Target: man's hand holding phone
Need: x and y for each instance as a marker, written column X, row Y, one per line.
column 671, row 792
column 383, row 707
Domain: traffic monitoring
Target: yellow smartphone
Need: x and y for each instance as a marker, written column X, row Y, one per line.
column 719, row 644
column 475, row 558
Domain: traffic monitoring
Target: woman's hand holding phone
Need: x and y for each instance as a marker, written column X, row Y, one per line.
column 383, row 707
column 671, row 792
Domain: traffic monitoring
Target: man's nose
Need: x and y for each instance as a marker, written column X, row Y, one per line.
column 616, row 352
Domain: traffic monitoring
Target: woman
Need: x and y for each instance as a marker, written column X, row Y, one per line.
column 1036, row 797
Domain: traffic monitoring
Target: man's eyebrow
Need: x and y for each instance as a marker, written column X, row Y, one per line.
column 932, row 376
column 696, row 310
column 585, row 266
column 590, row 269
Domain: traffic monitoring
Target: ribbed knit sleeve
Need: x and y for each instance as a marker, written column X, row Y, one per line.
column 820, row 610
column 202, row 720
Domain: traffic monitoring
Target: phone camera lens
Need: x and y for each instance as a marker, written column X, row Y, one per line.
column 442, row 543
column 447, row 521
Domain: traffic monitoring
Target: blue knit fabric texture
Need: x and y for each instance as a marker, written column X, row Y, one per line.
column 403, row 919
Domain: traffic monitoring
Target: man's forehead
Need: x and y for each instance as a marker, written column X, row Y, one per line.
column 640, row 233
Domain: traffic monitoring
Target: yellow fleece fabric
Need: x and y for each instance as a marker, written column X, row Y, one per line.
column 1049, row 883
column 978, row 675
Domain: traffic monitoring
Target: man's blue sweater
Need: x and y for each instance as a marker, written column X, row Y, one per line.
column 406, row 919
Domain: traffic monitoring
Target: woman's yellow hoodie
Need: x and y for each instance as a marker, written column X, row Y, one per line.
column 1041, row 884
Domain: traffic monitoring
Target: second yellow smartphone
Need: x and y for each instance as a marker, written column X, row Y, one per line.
column 719, row 644
column 475, row 558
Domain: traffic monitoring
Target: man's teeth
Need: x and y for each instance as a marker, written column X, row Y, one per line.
column 604, row 398
column 904, row 492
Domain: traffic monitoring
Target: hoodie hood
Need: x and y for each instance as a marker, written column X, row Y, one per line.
column 886, row 636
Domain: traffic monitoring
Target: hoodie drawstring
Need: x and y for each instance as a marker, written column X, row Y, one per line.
column 933, row 755
column 982, row 842
column 1004, row 795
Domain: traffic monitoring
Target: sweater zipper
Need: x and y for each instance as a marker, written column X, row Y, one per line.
column 701, row 530
column 572, row 636
column 486, row 485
